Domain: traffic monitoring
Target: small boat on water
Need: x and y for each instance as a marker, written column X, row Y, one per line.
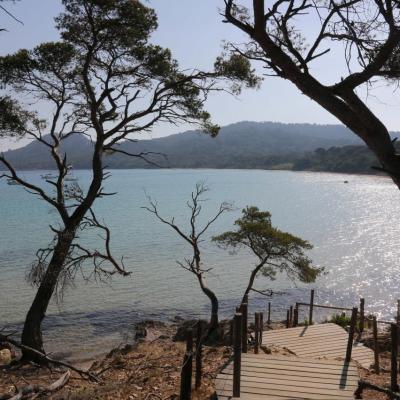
column 70, row 179
column 48, row 176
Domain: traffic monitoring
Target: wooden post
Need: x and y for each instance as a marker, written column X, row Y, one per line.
column 231, row 331
column 394, row 387
column 362, row 305
column 398, row 312
column 291, row 316
column 376, row 346
column 351, row 333
column 186, row 372
column 310, row 318
column 287, row 318
column 244, row 327
column 199, row 355
column 256, row 332
column 261, row 326
column 398, row 320
column 296, row 315
column 269, row 314
column 189, row 341
column 237, row 356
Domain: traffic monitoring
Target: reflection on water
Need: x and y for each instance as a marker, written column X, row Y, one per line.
column 353, row 228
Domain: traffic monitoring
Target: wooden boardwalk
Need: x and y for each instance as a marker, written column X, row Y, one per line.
column 266, row 377
column 327, row 341
column 315, row 371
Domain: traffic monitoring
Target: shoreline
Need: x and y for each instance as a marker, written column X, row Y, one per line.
column 380, row 175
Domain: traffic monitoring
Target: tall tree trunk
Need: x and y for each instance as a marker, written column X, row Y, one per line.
column 214, row 319
column 32, row 333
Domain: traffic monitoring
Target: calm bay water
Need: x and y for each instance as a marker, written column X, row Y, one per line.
column 353, row 227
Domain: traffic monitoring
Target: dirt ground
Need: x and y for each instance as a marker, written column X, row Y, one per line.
column 145, row 371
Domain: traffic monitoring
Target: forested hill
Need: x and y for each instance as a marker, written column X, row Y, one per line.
column 242, row 145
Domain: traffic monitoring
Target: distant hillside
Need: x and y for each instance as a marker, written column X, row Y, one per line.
column 241, row 145
column 354, row 159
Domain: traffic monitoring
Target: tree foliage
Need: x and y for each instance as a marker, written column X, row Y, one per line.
column 276, row 251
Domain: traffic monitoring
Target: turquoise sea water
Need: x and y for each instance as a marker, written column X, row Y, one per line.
column 354, row 228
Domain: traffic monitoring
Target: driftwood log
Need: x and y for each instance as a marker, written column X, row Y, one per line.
column 33, row 391
column 47, row 360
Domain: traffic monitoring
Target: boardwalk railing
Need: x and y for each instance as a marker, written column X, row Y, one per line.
column 187, row 366
column 359, row 322
column 237, row 353
column 240, row 339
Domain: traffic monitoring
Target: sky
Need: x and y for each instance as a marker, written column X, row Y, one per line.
column 194, row 31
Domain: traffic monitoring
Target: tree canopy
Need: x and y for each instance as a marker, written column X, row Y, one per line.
column 276, row 250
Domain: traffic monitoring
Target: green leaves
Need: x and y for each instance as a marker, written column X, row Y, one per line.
column 276, row 250
column 13, row 119
column 237, row 68
column 106, row 23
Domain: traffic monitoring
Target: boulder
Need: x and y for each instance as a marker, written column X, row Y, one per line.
column 183, row 327
column 5, row 356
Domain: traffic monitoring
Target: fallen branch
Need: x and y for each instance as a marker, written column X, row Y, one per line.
column 36, row 390
column 49, row 360
column 362, row 385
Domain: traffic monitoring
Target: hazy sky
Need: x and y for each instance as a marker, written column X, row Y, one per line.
column 193, row 30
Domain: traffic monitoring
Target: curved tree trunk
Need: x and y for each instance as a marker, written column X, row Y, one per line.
column 32, row 333
column 251, row 280
column 214, row 319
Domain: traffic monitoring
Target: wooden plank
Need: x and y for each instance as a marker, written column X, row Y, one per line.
column 320, row 374
column 303, row 374
column 297, row 381
column 303, row 332
column 309, row 363
column 294, row 359
column 293, row 369
column 268, row 383
column 281, row 391
column 250, row 396
column 305, row 329
column 318, row 341
column 225, row 383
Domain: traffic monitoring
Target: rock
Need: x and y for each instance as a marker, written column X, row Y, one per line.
column 181, row 333
column 128, row 348
column 5, row 356
column 140, row 331
column 163, row 337
column 219, row 337
column 147, row 328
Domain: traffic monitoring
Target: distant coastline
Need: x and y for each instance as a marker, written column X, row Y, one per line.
column 244, row 145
